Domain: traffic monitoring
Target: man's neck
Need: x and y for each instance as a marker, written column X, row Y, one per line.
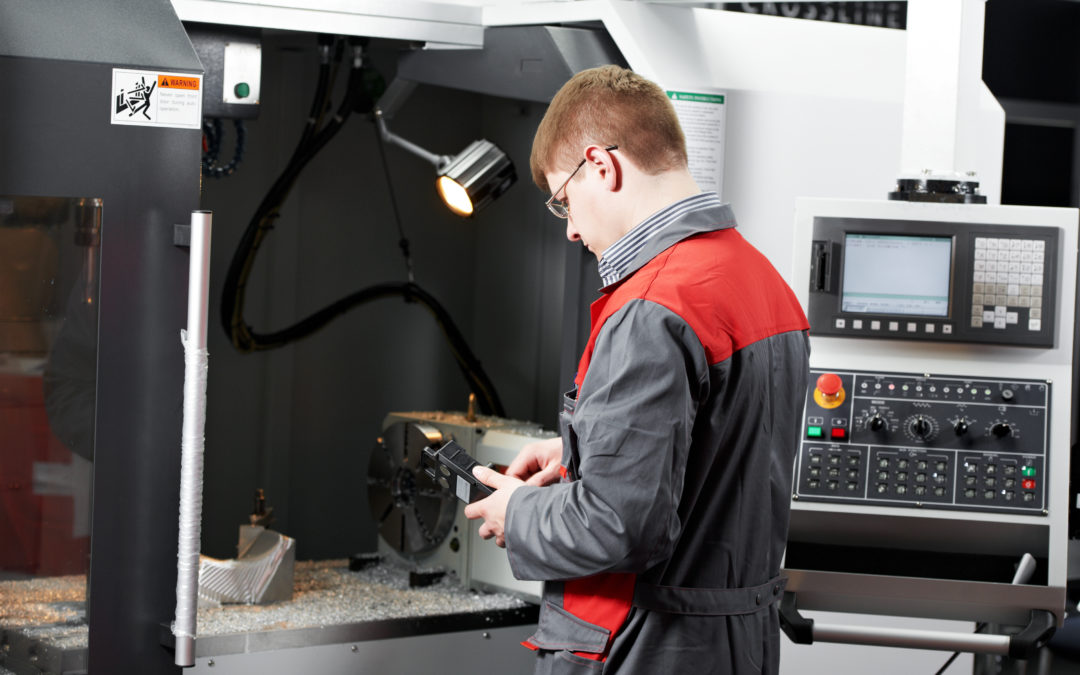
column 649, row 194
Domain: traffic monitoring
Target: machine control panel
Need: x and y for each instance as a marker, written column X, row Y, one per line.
column 919, row 440
column 941, row 281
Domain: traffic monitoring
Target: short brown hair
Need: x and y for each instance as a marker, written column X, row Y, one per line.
column 608, row 105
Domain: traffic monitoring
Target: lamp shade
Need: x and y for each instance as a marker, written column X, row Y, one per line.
column 475, row 177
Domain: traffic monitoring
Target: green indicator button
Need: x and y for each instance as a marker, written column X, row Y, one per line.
column 1027, row 471
column 815, row 432
column 242, row 90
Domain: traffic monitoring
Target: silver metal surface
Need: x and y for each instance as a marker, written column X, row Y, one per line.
column 262, row 574
column 932, row 598
column 414, row 514
column 473, row 651
column 415, row 20
column 911, row 638
column 527, row 63
column 439, row 161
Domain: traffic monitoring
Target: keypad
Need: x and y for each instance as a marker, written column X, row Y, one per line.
column 996, row 481
column 833, row 471
column 1007, row 283
column 914, row 477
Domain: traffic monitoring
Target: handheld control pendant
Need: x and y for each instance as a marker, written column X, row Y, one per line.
column 451, row 467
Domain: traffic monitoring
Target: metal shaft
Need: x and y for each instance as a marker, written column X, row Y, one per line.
column 193, row 440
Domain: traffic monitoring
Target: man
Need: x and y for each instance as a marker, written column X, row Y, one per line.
column 659, row 519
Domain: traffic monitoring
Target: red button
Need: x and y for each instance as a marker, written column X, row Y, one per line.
column 1028, row 484
column 839, row 434
column 829, row 384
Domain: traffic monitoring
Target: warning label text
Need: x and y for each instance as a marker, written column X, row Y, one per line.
column 174, row 82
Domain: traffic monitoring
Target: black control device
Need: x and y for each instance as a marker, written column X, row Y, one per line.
column 922, row 441
column 933, row 281
column 451, row 467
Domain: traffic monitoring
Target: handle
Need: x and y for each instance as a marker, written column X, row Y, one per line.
column 1021, row 646
column 192, row 441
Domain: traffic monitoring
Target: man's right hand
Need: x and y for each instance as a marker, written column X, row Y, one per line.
column 538, row 463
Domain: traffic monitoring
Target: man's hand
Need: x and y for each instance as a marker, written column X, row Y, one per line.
column 493, row 508
column 538, row 463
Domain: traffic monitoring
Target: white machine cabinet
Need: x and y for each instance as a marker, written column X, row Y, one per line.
column 936, row 433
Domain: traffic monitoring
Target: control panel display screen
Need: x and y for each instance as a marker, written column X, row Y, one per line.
column 933, row 281
column 895, row 274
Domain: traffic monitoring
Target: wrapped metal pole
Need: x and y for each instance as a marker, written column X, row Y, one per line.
column 191, row 462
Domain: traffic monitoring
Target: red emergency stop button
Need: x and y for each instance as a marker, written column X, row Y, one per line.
column 1028, row 484
column 829, row 390
column 829, row 384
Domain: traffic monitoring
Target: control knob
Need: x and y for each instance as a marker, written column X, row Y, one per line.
column 877, row 422
column 921, row 427
column 1001, row 430
column 960, row 426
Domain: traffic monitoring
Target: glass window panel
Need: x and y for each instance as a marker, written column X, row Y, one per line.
column 49, row 261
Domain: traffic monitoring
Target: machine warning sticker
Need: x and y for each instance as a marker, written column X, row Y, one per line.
column 155, row 99
column 702, row 115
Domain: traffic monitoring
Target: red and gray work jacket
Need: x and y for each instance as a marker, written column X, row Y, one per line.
column 661, row 546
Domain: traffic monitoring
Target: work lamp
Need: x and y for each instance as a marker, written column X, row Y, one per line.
column 468, row 181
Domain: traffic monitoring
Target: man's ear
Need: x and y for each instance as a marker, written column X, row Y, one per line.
column 607, row 166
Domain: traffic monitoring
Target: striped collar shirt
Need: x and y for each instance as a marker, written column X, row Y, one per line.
column 616, row 261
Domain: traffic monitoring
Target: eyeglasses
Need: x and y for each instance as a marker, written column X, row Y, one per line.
column 557, row 207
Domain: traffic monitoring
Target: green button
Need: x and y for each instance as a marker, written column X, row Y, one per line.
column 1027, row 471
column 242, row 90
column 813, row 432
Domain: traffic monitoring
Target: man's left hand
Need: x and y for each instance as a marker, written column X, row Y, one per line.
column 493, row 508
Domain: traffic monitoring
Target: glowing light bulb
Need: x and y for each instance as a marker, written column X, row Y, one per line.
column 455, row 196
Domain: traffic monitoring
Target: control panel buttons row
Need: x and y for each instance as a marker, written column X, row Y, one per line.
column 1009, row 244
column 874, row 325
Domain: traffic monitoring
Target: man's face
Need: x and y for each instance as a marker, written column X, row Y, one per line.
column 587, row 221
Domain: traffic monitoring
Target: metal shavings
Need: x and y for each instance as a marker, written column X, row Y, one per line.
column 459, row 418
column 50, row 610
column 486, row 422
column 50, row 600
column 326, row 594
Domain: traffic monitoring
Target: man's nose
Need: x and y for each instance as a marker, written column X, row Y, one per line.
column 571, row 231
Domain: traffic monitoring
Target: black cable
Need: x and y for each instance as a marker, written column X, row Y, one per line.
column 213, row 132
column 312, row 140
column 211, row 140
column 232, row 304
column 331, row 50
column 470, row 366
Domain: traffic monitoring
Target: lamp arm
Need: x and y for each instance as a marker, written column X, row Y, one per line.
column 440, row 161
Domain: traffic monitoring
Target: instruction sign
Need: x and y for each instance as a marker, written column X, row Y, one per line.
column 702, row 115
column 155, row 99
